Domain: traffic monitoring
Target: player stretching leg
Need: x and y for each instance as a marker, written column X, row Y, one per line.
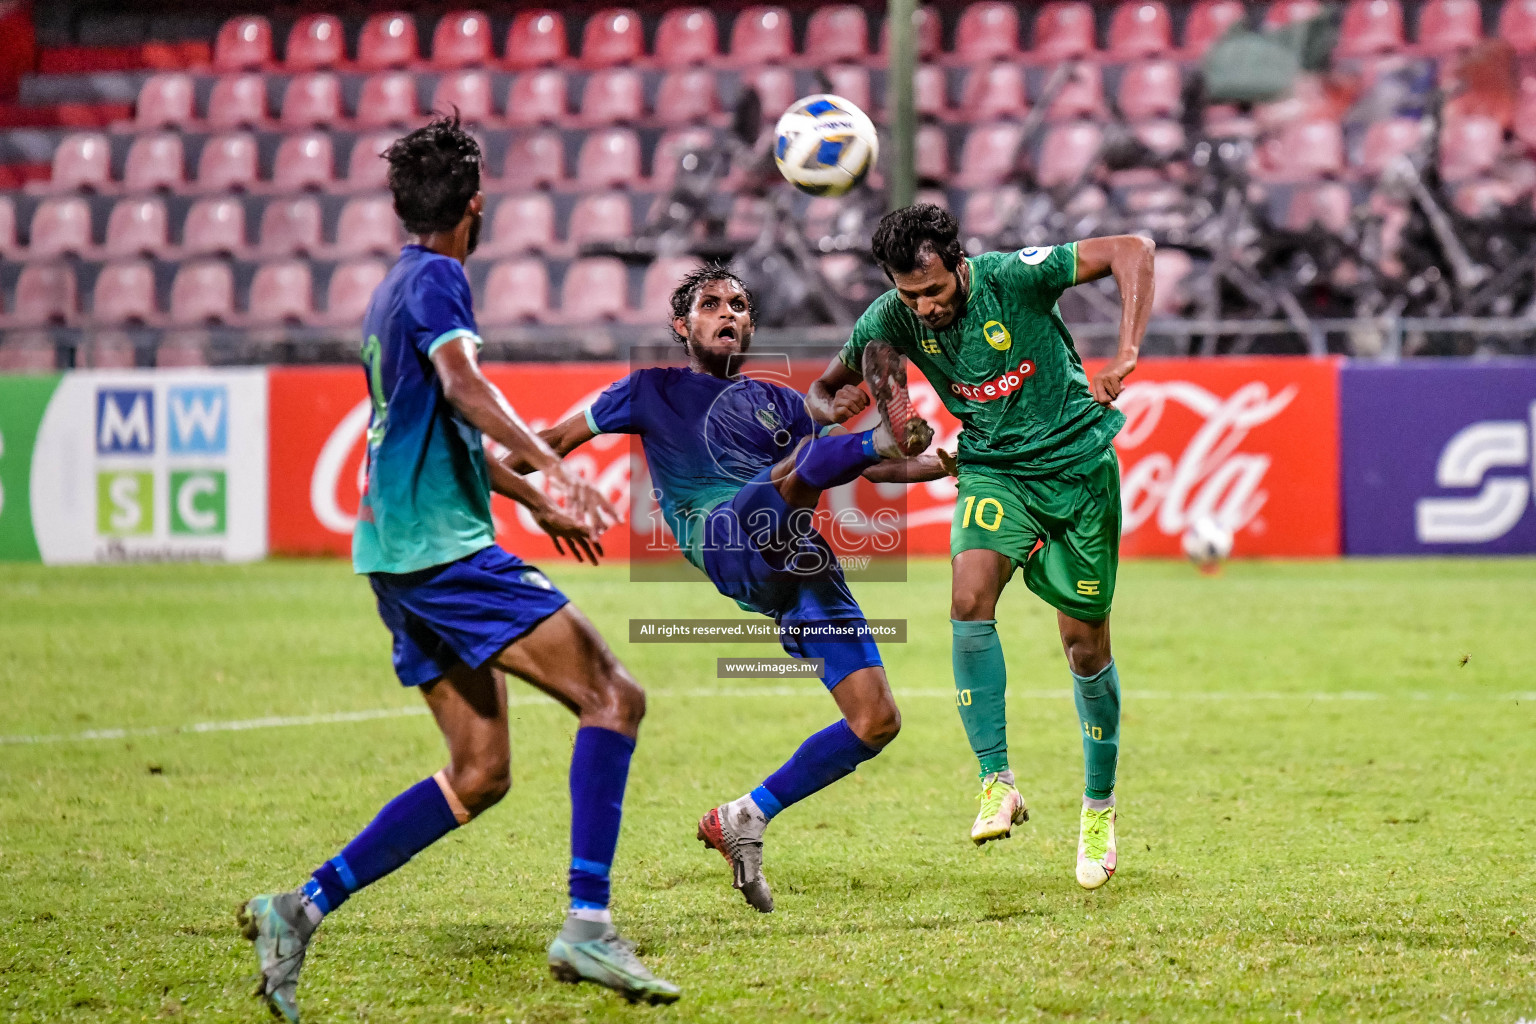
column 739, row 466
column 460, row 608
column 1039, row 485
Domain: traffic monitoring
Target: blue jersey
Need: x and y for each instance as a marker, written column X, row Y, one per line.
column 704, row 438
column 428, row 497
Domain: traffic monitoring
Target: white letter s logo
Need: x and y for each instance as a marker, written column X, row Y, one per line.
column 1466, row 460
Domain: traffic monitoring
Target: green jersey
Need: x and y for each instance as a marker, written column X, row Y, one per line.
column 1007, row 367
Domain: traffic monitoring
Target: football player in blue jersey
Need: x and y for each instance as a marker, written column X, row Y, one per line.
column 738, row 465
column 462, row 610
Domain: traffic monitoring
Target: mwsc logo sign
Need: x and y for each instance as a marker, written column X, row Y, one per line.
column 131, row 457
column 1466, row 461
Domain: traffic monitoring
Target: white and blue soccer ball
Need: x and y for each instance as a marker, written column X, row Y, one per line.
column 1207, row 543
column 825, row 145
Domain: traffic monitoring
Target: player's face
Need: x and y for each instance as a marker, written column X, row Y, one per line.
column 719, row 324
column 932, row 291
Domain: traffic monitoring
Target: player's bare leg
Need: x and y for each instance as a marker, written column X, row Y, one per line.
column 1096, row 689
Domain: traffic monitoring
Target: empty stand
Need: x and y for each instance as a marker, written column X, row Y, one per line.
column 775, row 86
column 155, row 161
column 1140, row 28
column 600, row 217
column 182, row 349
column 988, row 30
column 316, row 41
column 311, row 99
column 228, row 162
column 1288, row 12
column 689, row 97
column 1064, row 31
column 7, row 225
column 608, row 158
column 988, row 211
column 290, row 226
column 136, row 227
column 124, row 293
column 928, row 30
column 851, row 81
column 595, row 289
column 661, row 278
column 1306, row 149
column 930, row 91
column 60, row 225
column 468, row 91
column 1081, row 96
column 995, row 91
column 1387, row 140
column 82, row 161
column 387, row 41
column 1517, row 25
column 367, row 170
column 521, row 223
column 686, row 36
column 214, row 227
column 350, row 289
column 1171, row 269
column 462, row 39
column 516, row 291
column 303, row 162
column 990, row 155
column 612, row 36
column 536, row 38
column 1327, row 205
column 932, row 153
column 1150, row 88
column 243, row 43
column 164, row 100
column 1371, row 27
column 237, row 101
column 672, row 147
column 1446, row 26
column 281, row 292
column 537, row 97
column 387, row 99
column 836, row 32
column 1469, row 147
column 45, row 294
column 1067, row 154
column 203, row 291
column 533, row 160
column 1208, row 21
column 761, row 35
column 613, row 96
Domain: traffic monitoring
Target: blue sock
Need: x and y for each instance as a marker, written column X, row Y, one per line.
column 599, row 770
column 408, row 824
column 836, row 459
column 821, row 760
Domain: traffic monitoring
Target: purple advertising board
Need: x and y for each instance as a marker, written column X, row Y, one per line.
column 1437, row 457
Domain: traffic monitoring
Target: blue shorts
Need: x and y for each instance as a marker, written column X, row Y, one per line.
column 752, row 554
column 465, row 611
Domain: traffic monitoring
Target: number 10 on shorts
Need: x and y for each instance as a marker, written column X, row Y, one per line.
column 988, row 511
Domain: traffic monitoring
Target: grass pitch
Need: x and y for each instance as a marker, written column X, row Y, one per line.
column 1326, row 809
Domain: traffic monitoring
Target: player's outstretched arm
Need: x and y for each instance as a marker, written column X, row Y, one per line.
column 560, row 526
column 836, row 396
column 1129, row 259
column 917, row 470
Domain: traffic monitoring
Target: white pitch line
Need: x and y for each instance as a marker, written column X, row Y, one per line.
column 341, row 717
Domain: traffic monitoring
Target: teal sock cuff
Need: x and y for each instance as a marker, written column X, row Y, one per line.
column 973, row 627
column 1107, row 675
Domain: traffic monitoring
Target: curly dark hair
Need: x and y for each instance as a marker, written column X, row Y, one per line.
column 434, row 172
column 904, row 235
column 688, row 289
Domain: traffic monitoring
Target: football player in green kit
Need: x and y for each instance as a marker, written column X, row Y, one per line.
column 1039, row 484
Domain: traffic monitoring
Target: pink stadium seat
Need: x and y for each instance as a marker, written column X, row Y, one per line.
column 1161, row 136
column 1064, row 31
column 351, row 288
column 290, row 226
column 1150, row 88
column 1517, row 25
column 227, row 162
column 1082, row 96
column 836, row 32
column 820, row 217
column 367, row 225
column 203, row 291
column 775, row 87
column 182, row 350
column 303, row 162
column 367, row 170
column 995, row 92
column 600, row 217
column 932, row 148
column 237, row 101
column 1525, row 116
column 1286, row 12
column 1140, row 28
column 608, row 158
column 214, row 227
column 155, row 161
column 930, row 91
column 613, row 96
column 536, row 38
column 988, row 211
column 521, row 223
column 315, row 41
column 388, row 41
column 469, row 92
column 164, row 99
column 987, row 31
column 1327, row 205
column 124, row 293
column 1068, row 153
column 281, row 292
column 851, row 81
column 516, row 291
column 1484, row 198
column 687, row 35
column 1208, row 21
column 671, row 149
column 1171, row 268
column 1305, row 150
column 59, row 226
column 661, row 278
column 462, row 39
column 45, row 294
column 387, row 99
column 1446, row 26
column 136, row 227
column 537, row 97
column 28, row 351
column 82, row 161
column 1371, row 27
column 1469, row 147
column 312, row 99
column 534, row 160
column 595, row 289
column 761, row 35
column 990, row 155
column 1387, row 140
column 7, row 225
column 106, row 350
column 930, row 34
column 612, row 36
column 243, row 43
column 689, row 97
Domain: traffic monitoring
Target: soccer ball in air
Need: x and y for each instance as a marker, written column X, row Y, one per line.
column 1207, row 543
column 824, row 145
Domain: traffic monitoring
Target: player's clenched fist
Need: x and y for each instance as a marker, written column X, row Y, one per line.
column 849, row 401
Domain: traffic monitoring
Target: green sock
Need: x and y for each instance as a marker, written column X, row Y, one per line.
column 1098, row 708
column 980, row 681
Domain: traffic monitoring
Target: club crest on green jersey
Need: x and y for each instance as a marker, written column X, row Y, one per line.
column 1035, row 255
column 997, row 335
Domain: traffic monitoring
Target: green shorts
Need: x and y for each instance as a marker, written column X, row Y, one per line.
column 1063, row 529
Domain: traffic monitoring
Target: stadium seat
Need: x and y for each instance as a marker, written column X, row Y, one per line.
column 164, row 99
column 1208, row 21
column 851, row 81
column 987, row 31
column 1327, row 205
column 537, row 97
column 1171, row 268
column 1063, row 31
column 367, row 170
column 367, row 226
column 227, row 162
column 1286, row 12
column 670, row 150
column 59, row 226
column 608, row 159
column 387, row 41
column 237, row 101
column 775, row 87
column 656, row 288
column 836, row 32
column 311, row 99
column 930, row 34
column 387, row 100
column 930, row 91
column 761, row 35
column 214, row 227
column 1371, row 27
column 1081, row 96
column 303, row 162
column 462, row 39
column 995, row 92
column 686, row 36
column 1150, row 88
column 990, row 155
column 124, row 293
column 1163, row 136
column 106, row 349
column 536, row 38
column 82, row 161
column 1387, row 140
column 203, row 291
column 689, row 97
column 316, row 41
column 8, row 244
column 1304, row 150
column 183, row 349
column 1068, row 153
column 534, row 160
column 290, row 226
column 1485, row 198
column 350, row 289
column 613, row 96
column 612, row 36
column 1525, row 116
column 595, row 289
column 469, row 92
column 243, row 43
column 1517, row 25
column 932, row 154
column 155, row 161
column 45, row 294
column 521, row 223
column 516, row 291
column 281, row 292
column 136, row 227
column 600, row 217
column 988, row 211
column 1140, row 28
column 1469, row 147
column 1446, row 26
